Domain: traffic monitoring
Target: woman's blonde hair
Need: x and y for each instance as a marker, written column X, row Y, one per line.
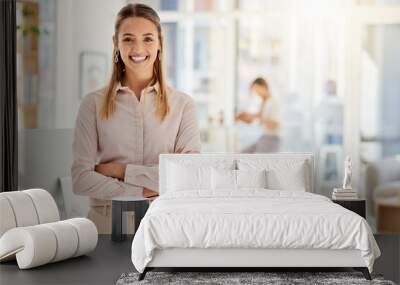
column 108, row 107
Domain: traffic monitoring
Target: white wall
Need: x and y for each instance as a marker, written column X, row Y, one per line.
column 81, row 26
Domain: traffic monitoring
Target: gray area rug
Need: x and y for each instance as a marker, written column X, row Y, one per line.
column 226, row 278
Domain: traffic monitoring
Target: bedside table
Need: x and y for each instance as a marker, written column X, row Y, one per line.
column 121, row 204
column 355, row 205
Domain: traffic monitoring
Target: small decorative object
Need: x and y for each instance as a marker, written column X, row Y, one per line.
column 346, row 192
column 347, row 174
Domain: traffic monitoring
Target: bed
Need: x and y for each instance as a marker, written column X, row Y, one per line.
column 247, row 210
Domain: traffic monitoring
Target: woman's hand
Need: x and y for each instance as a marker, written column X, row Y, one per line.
column 117, row 170
column 147, row 193
column 246, row 117
column 113, row 169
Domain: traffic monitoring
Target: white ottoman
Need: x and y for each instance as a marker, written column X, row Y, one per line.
column 31, row 232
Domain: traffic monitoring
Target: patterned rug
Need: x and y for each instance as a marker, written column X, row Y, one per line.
column 229, row 278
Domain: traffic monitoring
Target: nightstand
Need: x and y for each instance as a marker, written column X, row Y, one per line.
column 121, row 204
column 355, row 205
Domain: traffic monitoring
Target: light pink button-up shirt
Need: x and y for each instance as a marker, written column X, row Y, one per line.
column 133, row 135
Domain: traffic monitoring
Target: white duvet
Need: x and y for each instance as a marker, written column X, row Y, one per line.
column 252, row 218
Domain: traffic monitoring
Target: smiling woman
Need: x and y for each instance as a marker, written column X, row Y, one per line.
column 121, row 129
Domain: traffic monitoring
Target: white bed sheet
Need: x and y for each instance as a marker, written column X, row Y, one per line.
column 250, row 218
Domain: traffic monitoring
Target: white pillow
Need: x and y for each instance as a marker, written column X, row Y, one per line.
column 236, row 179
column 251, row 178
column 279, row 180
column 223, row 179
column 188, row 177
column 282, row 174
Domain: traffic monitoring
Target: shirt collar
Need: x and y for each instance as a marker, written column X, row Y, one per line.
column 155, row 86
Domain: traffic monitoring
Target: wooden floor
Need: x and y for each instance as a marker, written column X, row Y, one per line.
column 110, row 260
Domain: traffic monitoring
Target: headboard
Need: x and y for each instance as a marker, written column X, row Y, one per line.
column 232, row 159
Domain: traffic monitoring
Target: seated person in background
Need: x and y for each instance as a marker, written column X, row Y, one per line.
column 263, row 110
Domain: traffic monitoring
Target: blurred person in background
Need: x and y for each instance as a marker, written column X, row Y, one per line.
column 329, row 116
column 263, row 112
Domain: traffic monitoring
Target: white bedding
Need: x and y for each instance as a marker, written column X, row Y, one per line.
column 251, row 218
